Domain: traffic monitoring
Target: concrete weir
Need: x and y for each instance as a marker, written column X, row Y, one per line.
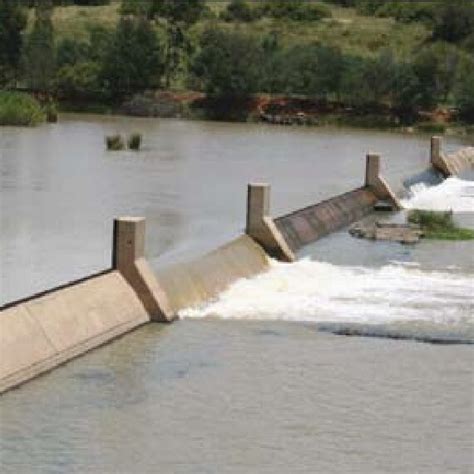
column 453, row 164
column 311, row 223
column 45, row 330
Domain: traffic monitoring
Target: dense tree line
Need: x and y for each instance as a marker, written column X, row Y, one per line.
column 152, row 45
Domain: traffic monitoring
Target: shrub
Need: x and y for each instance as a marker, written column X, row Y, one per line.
column 296, row 10
column 135, row 141
column 430, row 127
column 228, row 64
column 114, row 142
column 20, row 109
column 464, row 89
column 432, row 220
column 239, row 10
column 439, row 225
column 51, row 111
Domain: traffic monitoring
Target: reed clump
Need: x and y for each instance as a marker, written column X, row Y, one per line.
column 19, row 109
column 135, row 141
column 439, row 225
column 114, row 142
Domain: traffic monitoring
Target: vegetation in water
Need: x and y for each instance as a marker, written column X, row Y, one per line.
column 114, row 142
column 135, row 141
column 439, row 225
column 20, row 109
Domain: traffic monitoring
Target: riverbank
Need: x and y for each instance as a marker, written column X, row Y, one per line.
column 21, row 108
column 275, row 110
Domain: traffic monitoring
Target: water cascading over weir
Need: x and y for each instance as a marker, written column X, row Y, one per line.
column 45, row 330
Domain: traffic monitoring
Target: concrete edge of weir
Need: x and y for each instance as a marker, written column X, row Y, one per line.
column 48, row 329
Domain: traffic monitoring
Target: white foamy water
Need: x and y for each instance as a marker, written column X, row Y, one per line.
column 452, row 194
column 321, row 292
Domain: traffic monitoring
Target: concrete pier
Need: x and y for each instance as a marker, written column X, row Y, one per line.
column 260, row 225
column 128, row 257
column 46, row 330
column 375, row 181
column 453, row 164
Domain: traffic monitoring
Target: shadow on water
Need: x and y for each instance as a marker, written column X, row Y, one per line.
column 422, row 332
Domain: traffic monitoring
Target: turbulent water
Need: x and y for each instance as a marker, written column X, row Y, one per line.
column 392, row 301
column 452, row 194
column 396, row 300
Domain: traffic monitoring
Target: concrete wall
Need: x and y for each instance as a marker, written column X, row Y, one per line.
column 43, row 332
column 307, row 225
column 453, row 164
column 192, row 283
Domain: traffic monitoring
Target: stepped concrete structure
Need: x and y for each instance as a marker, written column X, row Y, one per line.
column 45, row 330
column 453, row 164
column 192, row 283
column 310, row 224
column 261, row 227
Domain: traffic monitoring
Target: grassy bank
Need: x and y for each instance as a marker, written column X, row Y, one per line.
column 18, row 109
column 353, row 32
column 439, row 225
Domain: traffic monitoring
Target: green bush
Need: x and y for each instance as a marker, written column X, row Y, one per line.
column 20, row 109
column 114, row 142
column 432, row 220
column 431, row 127
column 439, row 225
column 296, row 10
column 240, row 10
column 135, row 141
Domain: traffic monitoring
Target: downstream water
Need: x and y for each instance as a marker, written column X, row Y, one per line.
column 257, row 381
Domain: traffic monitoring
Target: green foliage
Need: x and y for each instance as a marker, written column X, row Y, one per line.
column 51, row 111
column 135, row 141
column 464, row 89
column 435, row 67
column 240, row 10
column 229, row 63
column 439, row 225
column 177, row 11
column 429, row 127
column 454, row 21
column 133, row 60
column 313, row 70
column 20, row 109
column 39, row 54
column 407, row 12
column 114, row 142
column 80, row 80
column 12, row 23
column 178, row 16
column 431, row 220
column 296, row 10
column 172, row 11
column 80, row 65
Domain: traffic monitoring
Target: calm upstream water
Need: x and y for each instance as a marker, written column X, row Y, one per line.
column 256, row 381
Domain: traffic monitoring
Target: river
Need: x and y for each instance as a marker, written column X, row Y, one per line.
column 258, row 380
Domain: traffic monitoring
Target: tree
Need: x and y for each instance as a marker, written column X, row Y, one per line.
column 454, row 21
column 435, row 67
column 464, row 89
column 239, row 10
column 228, row 63
column 12, row 22
column 176, row 16
column 132, row 62
column 313, row 70
column 39, row 55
